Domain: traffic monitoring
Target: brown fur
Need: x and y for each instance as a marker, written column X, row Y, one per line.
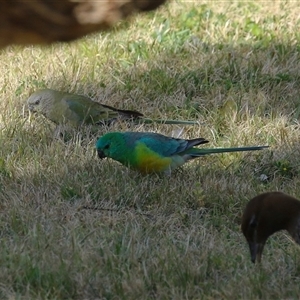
column 266, row 214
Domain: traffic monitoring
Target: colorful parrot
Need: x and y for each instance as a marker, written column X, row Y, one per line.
column 155, row 153
column 75, row 110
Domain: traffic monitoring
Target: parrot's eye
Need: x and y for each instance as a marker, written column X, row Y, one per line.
column 106, row 147
column 37, row 102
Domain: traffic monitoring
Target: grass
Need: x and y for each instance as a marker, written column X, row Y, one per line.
column 74, row 227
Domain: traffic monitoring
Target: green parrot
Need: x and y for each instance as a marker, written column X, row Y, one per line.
column 155, row 153
column 75, row 110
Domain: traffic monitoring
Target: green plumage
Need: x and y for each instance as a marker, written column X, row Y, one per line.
column 76, row 110
column 152, row 152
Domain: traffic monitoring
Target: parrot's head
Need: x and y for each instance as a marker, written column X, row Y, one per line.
column 41, row 101
column 111, row 145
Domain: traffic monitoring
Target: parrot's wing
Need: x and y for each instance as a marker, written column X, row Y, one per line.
column 163, row 145
column 88, row 111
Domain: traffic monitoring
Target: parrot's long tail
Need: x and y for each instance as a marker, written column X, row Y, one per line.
column 138, row 117
column 201, row 152
column 151, row 121
column 125, row 113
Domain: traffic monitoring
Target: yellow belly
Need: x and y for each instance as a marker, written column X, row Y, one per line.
column 149, row 161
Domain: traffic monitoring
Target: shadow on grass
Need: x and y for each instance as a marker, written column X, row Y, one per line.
column 74, row 226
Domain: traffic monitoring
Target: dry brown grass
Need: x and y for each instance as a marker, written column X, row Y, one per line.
column 74, row 227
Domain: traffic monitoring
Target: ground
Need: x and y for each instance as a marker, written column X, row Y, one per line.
column 75, row 227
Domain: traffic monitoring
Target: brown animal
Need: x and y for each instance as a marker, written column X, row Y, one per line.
column 42, row 21
column 267, row 213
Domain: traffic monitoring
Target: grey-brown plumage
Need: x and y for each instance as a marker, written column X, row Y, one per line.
column 76, row 110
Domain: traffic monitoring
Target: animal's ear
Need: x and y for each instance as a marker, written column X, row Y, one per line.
column 253, row 221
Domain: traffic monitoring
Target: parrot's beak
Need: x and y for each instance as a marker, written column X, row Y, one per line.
column 101, row 154
column 31, row 108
